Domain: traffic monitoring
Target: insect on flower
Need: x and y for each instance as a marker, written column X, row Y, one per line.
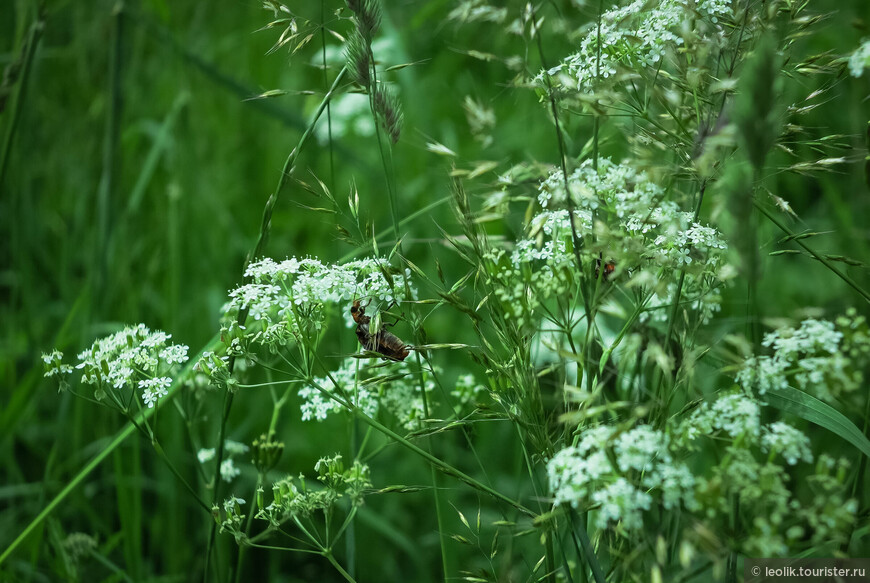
column 382, row 342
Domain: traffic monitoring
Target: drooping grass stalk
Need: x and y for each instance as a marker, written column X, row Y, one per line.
column 27, row 52
column 165, row 38
column 287, row 170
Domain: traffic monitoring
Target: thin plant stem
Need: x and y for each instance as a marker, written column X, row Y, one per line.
column 595, row 119
column 287, row 170
column 436, row 462
column 560, row 140
column 586, row 546
column 240, row 557
column 338, row 567
column 436, row 490
column 674, row 310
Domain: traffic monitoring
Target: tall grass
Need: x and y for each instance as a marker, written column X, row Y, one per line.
column 611, row 242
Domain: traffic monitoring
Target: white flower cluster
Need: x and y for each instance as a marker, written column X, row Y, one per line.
column 740, row 460
column 737, row 417
column 620, row 473
column 784, row 439
column 229, row 471
column 54, row 365
column 135, row 357
column 821, row 357
column 233, row 518
column 636, row 36
column 282, row 296
column 373, row 387
column 317, row 406
column 633, row 207
column 639, row 231
column 860, row 59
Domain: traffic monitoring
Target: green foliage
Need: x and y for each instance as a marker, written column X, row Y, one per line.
column 516, row 292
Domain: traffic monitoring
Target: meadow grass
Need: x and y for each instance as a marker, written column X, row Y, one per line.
column 613, row 281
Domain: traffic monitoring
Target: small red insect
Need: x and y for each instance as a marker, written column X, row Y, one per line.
column 609, row 268
column 385, row 343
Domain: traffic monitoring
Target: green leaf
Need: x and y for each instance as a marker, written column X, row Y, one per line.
column 808, row 407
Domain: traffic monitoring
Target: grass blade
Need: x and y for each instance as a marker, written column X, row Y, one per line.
column 815, row 411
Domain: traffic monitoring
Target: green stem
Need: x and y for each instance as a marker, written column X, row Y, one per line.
column 110, row 151
column 338, row 567
column 560, row 140
column 110, row 566
column 286, row 171
column 216, row 479
column 328, row 106
column 162, row 455
column 240, row 557
column 673, row 316
column 595, row 121
column 436, row 490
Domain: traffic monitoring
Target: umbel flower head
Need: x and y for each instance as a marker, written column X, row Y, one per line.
column 285, row 300
column 622, row 215
column 699, row 464
column 826, row 359
column 383, row 387
column 621, row 475
column 134, row 359
column 634, row 37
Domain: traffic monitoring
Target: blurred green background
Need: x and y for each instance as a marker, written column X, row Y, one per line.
column 137, row 169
